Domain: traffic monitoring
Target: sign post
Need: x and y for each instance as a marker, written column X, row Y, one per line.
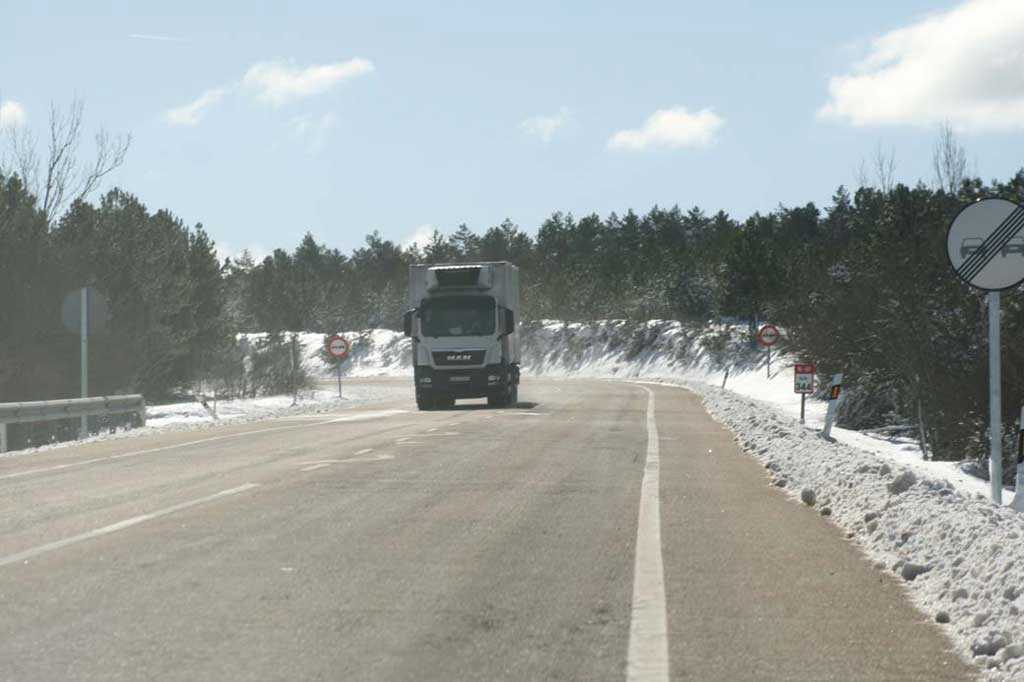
column 338, row 347
column 84, row 312
column 803, row 383
column 986, row 250
column 834, row 390
column 768, row 336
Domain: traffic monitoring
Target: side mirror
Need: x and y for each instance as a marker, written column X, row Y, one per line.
column 509, row 320
column 407, row 322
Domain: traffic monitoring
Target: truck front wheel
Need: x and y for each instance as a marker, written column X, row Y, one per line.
column 424, row 402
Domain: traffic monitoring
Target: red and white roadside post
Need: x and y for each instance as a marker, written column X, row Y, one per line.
column 338, row 347
column 768, row 336
column 803, row 383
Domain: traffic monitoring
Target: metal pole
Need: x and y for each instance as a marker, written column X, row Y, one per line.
column 995, row 405
column 3, row 437
column 83, row 431
column 769, row 362
column 803, row 401
column 339, row 380
column 295, row 388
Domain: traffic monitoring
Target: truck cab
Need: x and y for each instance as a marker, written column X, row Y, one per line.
column 463, row 323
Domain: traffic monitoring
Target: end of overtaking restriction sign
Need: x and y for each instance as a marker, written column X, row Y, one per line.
column 985, row 244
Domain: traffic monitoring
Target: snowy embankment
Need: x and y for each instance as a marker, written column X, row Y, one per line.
column 960, row 556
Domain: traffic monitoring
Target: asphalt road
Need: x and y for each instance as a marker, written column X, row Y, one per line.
column 382, row 543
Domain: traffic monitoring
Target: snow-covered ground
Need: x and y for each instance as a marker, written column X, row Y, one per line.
column 191, row 415
column 960, row 556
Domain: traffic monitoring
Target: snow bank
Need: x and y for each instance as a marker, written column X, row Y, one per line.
column 961, row 557
column 373, row 352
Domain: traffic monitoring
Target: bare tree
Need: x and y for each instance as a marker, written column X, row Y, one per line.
column 64, row 177
column 879, row 171
column 949, row 160
column 884, row 164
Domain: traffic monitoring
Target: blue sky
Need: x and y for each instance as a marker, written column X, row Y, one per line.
column 267, row 120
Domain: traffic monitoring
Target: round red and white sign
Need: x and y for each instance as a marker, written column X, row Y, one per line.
column 769, row 335
column 338, row 346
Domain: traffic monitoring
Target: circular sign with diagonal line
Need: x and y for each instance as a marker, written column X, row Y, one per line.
column 985, row 244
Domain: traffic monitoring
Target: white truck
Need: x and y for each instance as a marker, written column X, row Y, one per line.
column 464, row 328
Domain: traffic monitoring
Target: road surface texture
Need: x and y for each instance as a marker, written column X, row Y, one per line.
column 382, row 543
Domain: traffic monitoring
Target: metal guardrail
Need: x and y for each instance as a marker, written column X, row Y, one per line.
column 49, row 410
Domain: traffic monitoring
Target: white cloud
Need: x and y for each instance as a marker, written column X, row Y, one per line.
column 545, row 127
column 191, row 114
column 670, row 128
column 420, row 237
column 965, row 66
column 148, row 36
column 312, row 130
column 277, row 82
column 12, row 114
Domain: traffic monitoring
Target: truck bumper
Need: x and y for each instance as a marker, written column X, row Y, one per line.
column 465, row 383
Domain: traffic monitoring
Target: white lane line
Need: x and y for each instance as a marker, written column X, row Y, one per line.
column 648, row 626
column 362, row 416
column 120, row 525
column 320, row 463
column 364, row 451
column 212, row 439
column 314, row 467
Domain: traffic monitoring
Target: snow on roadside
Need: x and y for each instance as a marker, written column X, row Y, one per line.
column 373, row 352
column 960, row 557
column 192, row 416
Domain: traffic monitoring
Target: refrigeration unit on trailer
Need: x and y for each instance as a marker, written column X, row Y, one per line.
column 463, row 323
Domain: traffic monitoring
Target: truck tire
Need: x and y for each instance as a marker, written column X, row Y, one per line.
column 424, row 402
column 496, row 400
column 513, row 399
column 444, row 403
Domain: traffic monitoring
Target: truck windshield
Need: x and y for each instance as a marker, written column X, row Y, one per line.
column 458, row 316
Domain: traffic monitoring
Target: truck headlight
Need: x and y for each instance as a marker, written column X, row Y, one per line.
column 492, row 378
column 425, row 380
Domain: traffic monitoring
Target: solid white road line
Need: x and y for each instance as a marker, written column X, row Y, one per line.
column 648, row 626
column 364, row 451
column 120, row 525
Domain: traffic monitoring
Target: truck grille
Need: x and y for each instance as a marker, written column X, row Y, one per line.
column 458, row 357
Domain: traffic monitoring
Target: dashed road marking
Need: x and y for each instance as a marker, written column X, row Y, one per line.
column 120, row 525
column 314, row 467
column 176, row 446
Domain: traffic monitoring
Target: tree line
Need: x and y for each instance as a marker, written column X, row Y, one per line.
column 861, row 285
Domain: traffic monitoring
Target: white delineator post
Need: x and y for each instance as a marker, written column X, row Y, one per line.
column 833, row 405
column 1018, row 497
column 83, row 431
column 995, row 400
